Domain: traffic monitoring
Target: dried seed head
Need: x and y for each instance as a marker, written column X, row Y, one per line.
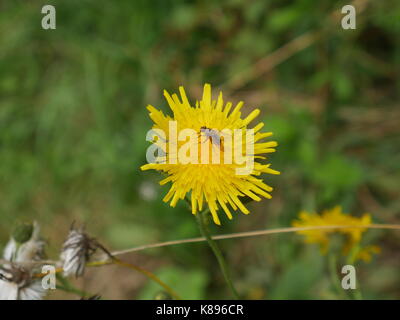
column 75, row 253
column 77, row 250
column 17, row 283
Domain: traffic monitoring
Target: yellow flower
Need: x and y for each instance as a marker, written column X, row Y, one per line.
column 335, row 217
column 217, row 184
column 366, row 253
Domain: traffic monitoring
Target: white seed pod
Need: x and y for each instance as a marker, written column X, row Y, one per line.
column 17, row 283
column 76, row 252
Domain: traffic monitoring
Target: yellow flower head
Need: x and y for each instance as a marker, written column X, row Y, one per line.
column 366, row 253
column 215, row 182
column 335, row 217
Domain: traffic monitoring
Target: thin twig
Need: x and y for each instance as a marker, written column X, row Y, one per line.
column 252, row 234
column 246, row 234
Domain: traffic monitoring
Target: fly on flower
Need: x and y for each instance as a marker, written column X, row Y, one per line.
column 220, row 174
column 211, row 134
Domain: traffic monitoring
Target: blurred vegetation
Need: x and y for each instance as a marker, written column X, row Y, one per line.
column 73, row 124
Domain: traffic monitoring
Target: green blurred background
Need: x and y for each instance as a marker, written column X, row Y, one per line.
column 73, row 124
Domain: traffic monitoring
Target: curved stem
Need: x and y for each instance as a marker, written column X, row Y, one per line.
column 150, row 275
column 145, row 272
column 217, row 251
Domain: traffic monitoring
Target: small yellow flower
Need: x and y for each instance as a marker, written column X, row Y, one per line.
column 335, row 217
column 217, row 184
column 366, row 253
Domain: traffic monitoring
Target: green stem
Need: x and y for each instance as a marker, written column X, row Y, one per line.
column 357, row 294
column 68, row 287
column 332, row 260
column 351, row 259
column 145, row 272
column 149, row 275
column 216, row 250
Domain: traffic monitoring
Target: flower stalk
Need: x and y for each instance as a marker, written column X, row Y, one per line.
column 216, row 250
